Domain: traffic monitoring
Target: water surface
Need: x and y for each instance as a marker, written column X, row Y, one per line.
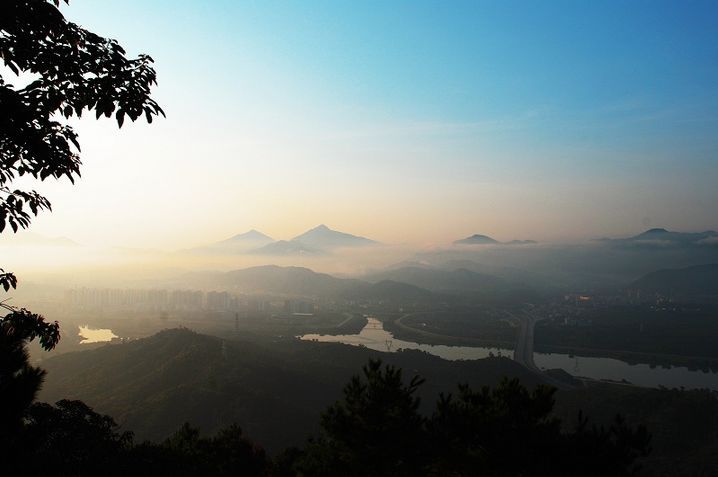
column 638, row 374
column 94, row 335
column 375, row 337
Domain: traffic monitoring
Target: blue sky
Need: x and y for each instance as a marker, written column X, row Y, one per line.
column 407, row 121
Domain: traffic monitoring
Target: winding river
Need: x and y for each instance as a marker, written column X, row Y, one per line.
column 375, row 337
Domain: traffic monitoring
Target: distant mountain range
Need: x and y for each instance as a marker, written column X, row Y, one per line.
column 410, row 283
column 253, row 236
column 661, row 238
column 389, row 291
column 26, row 238
column 286, row 280
column 317, row 241
column 300, row 281
column 657, row 237
column 478, row 239
column 240, row 243
column 404, row 285
column 324, row 238
column 439, row 280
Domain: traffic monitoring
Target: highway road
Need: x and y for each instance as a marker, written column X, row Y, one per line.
column 524, row 351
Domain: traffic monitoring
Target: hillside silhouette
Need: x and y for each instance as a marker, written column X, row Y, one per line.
column 155, row 384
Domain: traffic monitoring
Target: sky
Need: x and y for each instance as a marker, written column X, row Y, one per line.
column 409, row 122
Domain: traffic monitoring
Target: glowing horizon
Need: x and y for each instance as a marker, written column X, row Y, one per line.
column 411, row 123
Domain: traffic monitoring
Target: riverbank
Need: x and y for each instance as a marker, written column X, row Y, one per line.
column 693, row 363
column 405, row 332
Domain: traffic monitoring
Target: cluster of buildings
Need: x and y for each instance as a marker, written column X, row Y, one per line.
column 164, row 300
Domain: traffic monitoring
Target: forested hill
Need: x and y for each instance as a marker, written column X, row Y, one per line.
column 689, row 281
column 275, row 391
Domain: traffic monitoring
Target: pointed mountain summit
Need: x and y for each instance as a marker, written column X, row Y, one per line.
column 250, row 236
column 236, row 244
column 322, row 237
column 652, row 233
column 663, row 234
column 659, row 238
column 476, row 239
column 668, row 236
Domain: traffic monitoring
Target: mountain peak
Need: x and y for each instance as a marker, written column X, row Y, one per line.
column 659, row 237
column 655, row 231
column 322, row 237
column 235, row 244
column 251, row 235
column 476, row 239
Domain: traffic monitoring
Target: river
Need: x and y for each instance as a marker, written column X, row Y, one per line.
column 375, row 337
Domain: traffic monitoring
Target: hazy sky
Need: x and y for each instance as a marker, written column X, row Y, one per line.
column 409, row 122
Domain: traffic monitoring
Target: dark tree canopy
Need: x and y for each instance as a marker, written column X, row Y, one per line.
column 376, row 430
column 70, row 439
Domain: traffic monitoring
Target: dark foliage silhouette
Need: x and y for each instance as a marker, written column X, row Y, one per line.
column 505, row 431
column 19, row 380
column 68, row 439
column 508, row 431
column 375, row 430
column 187, row 453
